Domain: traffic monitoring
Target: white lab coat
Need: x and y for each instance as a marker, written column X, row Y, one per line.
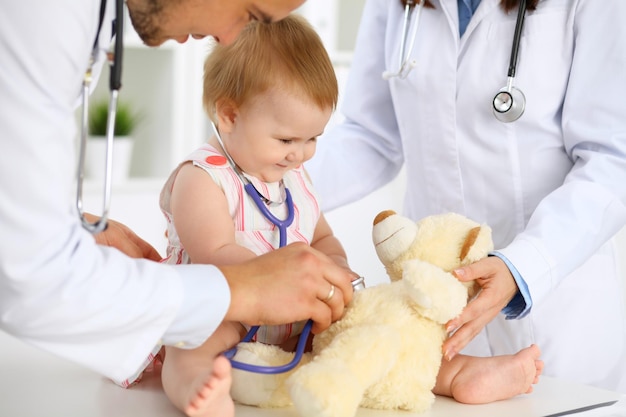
column 58, row 290
column 552, row 184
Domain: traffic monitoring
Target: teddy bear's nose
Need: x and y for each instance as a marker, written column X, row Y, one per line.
column 383, row 215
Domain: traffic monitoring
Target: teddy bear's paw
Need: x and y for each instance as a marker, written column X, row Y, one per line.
column 261, row 390
column 436, row 294
column 325, row 390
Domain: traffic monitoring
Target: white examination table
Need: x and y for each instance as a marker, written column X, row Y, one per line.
column 36, row 384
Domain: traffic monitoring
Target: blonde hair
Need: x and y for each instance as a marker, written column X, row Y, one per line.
column 288, row 54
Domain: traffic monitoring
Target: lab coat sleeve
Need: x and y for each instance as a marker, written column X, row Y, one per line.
column 364, row 152
column 58, row 289
column 576, row 219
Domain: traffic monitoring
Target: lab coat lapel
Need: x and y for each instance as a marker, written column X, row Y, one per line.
column 451, row 11
column 484, row 8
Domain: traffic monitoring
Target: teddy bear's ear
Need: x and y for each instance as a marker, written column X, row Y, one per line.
column 383, row 215
column 470, row 239
column 477, row 244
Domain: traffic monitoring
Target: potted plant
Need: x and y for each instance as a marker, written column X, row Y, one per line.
column 126, row 121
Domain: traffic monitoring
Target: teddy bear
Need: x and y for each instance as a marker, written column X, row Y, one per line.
column 385, row 352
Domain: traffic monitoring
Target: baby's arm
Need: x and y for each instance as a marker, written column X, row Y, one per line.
column 326, row 242
column 203, row 221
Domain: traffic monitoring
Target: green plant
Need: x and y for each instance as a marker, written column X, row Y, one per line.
column 125, row 119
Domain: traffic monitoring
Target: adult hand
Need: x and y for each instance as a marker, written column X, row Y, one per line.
column 497, row 288
column 290, row 284
column 121, row 237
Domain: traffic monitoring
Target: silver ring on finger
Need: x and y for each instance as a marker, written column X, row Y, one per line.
column 331, row 292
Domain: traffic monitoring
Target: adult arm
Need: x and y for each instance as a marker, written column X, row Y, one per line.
column 364, row 152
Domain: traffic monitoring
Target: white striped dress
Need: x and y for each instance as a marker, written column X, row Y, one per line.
column 252, row 229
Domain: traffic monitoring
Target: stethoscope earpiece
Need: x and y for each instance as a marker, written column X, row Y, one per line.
column 406, row 65
column 509, row 104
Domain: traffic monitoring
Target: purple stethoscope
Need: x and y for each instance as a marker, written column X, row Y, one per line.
column 260, row 200
column 262, row 204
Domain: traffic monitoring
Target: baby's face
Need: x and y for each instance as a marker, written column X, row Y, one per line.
column 275, row 132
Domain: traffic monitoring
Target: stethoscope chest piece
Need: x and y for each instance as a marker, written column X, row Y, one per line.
column 509, row 104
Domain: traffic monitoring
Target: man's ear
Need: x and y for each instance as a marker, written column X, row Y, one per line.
column 226, row 114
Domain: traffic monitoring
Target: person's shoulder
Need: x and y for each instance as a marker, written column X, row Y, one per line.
column 208, row 156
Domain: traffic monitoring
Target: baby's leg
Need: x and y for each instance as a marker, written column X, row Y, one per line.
column 476, row 380
column 197, row 381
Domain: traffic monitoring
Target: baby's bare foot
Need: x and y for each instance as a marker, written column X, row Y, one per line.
column 212, row 396
column 485, row 380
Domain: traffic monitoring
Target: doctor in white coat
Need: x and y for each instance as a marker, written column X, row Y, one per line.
column 91, row 303
column 551, row 184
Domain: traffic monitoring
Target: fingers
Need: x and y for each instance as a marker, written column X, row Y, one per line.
column 331, row 292
column 125, row 240
column 334, row 282
column 465, row 327
column 128, row 242
column 146, row 250
column 340, row 278
column 286, row 285
column 334, row 300
column 476, row 271
column 497, row 288
column 335, row 291
column 325, row 310
column 321, row 316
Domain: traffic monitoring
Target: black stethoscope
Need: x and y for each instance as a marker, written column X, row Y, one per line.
column 115, row 83
column 508, row 104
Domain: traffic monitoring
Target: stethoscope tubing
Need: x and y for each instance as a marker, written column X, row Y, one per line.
column 517, row 35
column 270, row 370
column 115, row 83
column 283, row 224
